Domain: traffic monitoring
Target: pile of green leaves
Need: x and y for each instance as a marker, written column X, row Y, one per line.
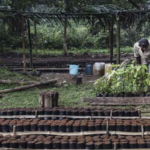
column 131, row 79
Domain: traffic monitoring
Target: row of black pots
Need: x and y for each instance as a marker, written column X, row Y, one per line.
column 72, row 145
column 87, row 112
column 123, row 94
column 74, row 127
column 71, row 111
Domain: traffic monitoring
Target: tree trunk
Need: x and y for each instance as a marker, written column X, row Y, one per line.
column 35, row 38
column 27, row 86
column 65, row 38
column 23, row 46
column 118, row 40
column 111, row 41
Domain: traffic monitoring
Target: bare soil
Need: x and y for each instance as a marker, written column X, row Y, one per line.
column 67, row 78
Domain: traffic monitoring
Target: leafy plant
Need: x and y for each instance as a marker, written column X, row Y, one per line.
column 131, row 79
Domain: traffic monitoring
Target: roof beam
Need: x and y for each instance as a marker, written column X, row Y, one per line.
column 134, row 4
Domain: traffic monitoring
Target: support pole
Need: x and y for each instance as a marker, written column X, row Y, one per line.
column 30, row 44
column 118, row 40
column 35, row 38
column 23, row 46
column 111, row 41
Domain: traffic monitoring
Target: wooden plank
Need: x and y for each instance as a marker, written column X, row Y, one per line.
column 122, row 101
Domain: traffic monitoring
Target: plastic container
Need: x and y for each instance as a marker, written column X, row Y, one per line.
column 108, row 67
column 73, row 69
column 89, row 69
column 99, row 68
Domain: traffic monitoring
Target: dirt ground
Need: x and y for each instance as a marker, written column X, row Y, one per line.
column 67, row 78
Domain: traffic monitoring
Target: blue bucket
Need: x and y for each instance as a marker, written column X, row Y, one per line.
column 73, row 69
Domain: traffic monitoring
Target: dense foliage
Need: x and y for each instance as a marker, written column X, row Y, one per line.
column 131, row 79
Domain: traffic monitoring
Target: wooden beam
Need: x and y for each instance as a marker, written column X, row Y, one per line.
column 118, row 101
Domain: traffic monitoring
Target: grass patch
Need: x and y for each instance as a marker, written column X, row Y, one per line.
column 69, row 96
column 76, row 51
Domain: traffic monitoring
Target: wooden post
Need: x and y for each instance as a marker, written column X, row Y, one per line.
column 23, row 46
column 35, row 38
column 111, row 41
column 30, row 44
column 65, row 38
column 118, row 40
column 41, row 99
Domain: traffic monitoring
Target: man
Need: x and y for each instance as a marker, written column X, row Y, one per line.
column 142, row 52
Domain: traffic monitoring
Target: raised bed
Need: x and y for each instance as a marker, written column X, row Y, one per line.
column 117, row 101
column 76, row 142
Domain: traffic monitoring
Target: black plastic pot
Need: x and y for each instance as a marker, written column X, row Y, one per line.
column 112, row 127
column 13, row 144
column 134, row 113
column 127, row 128
column 124, row 145
column 30, row 145
column 76, row 128
column 28, row 112
column 62, row 128
column 107, row 113
column 80, row 145
column 22, row 112
column 5, row 127
column 33, row 127
column 107, row 145
column 9, row 112
column 26, row 127
column 115, row 113
column 142, row 145
column 121, row 113
column 127, row 113
column 147, row 127
column 54, row 112
column 19, row 127
column 83, row 127
column 40, row 127
column 133, row 145
column 81, row 113
column 47, row 127
column 15, row 112
column 98, row 145
column 119, row 127
column 72, row 145
column 134, row 128
column 98, row 127
column 56, row 145
column 68, row 112
column 54, row 128
column 100, row 113
column 40, row 112
column 64, row 145
column 22, row 144
column 103, row 126
column 89, row 145
column 94, row 113
column 47, row 145
column 69, row 128
column 39, row 145
column 148, row 144
column 74, row 113
column 5, row 144
column 3, row 113
column 91, row 127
